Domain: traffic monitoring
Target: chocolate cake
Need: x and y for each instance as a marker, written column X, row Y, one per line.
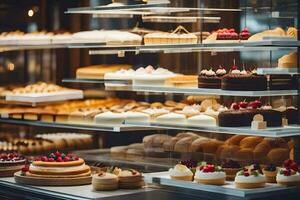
column 211, row 79
column 282, row 82
column 244, row 81
column 237, row 116
column 292, row 115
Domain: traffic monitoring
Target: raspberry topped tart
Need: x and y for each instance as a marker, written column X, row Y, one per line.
column 289, row 175
column 210, row 175
column 249, row 178
column 54, row 168
column 181, row 172
column 11, row 163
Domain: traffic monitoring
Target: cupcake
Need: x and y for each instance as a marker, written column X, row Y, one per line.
column 231, row 167
column 181, row 172
column 249, row 178
column 210, row 175
column 289, row 174
column 104, row 181
column 270, row 172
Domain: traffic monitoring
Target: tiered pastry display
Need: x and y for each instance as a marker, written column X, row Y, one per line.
column 210, row 175
column 288, row 175
column 250, row 178
column 44, row 143
column 114, row 178
column 242, row 114
column 98, row 71
column 179, row 36
column 43, row 92
column 55, row 169
column 10, row 163
column 210, row 78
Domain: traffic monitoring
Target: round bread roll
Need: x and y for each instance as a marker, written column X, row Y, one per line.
column 197, row 145
column 278, row 155
column 250, row 142
column 170, row 144
column 227, row 151
column 155, row 140
column 234, row 140
column 244, row 154
column 185, row 134
column 211, row 146
column 183, row 145
column 261, row 151
column 277, row 142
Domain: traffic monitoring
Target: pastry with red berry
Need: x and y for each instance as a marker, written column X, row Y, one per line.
column 245, row 34
column 105, row 181
column 249, row 178
column 130, row 179
column 289, row 175
column 231, row 167
column 210, row 175
column 181, row 172
column 58, row 165
column 270, row 172
column 210, row 78
column 11, row 163
column 243, row 80
column 242, row 114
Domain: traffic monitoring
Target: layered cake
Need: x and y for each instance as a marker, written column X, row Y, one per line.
column 105, row 181
column 210, row 175
column 130, row 179
column 11, row 163
column 249, row 178
column 110, row 118
column 270, row 172
column 288, row 175
column 171, row 118
column 202, row 120
column 181, row 172
column 211, row 79
column 58, row 166
column 282, row 82
column 179, row 36
column 243, row 81
column 98, row 71
column 242, row 114
column 183, row 81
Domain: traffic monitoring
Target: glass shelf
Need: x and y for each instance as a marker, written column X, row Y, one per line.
column 287, row 71
column 96, row 81
column 286, row 131
column 180, row 19
column 104, row 128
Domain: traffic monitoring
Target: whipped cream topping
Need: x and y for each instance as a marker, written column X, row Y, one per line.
column 266, row 107
column 244, row 72
column 210, row 73
column 194, row 109
column 203, row 72
column 151, row 111
column 250, row 179
column 291, row 178
column 236, row 71
column 221, row 72
column 171, row 116
column 209, row 175
column 180, row 170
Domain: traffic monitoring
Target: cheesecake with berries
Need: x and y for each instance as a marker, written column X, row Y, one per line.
column 210, row 175
column 249, row 178
column 244, row 80
column 181, row 172
column 11, row 163
column 58, row 165
column 242, row 114
column 211, row 78
column 289, row 174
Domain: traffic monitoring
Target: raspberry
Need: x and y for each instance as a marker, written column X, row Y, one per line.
column 59, row 159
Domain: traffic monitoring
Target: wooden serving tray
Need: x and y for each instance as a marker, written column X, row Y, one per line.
column 52, row 181
column 7, row 173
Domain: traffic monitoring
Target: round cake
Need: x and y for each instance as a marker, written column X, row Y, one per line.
column 58, row 165
column 210, row 175
column 11, row 163
column 289, row 175
column 243, row 81
column 249, row 178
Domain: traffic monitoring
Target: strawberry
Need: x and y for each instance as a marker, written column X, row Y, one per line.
column 234, row 67
column 258, row 103
column 25, row 168
column 57, row 154
column 67, row 159
column 243, row 104
column 44, row 159
column 59, row 159
column 287, row 172
column 51, row 160
column 294, row 167
column 235, row 106
column 287, row 163
column 246, row 174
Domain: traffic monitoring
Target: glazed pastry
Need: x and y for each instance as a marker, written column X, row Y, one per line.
column 250, row 178
column 288, row 175
column 181, row 172
column 105, row 181
column 210, row 175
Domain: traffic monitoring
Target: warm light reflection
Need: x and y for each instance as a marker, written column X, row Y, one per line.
column 10, row 66
column 30, row 13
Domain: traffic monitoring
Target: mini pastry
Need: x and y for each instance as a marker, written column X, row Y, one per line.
column 210, row 175
column 288, row 175
column 130, row 179
column 231, row 168
column 181, row 172
column 202, row 120
column 171, row 118
column 249, row 178
column 105, row 181
column 270, row 173
column 110, row 118
column 137, row 117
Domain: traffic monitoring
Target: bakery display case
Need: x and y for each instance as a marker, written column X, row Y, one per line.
column 150, row 99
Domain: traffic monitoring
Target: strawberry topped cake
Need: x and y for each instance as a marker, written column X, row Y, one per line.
column 58, row 165
column 249, row 178
column 11, row 163
column 289, row 175
column 210, row 175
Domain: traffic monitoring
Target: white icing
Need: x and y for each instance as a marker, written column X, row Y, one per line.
column 209, row 175
column 250, row 179
column 221, row 72
column 180, row 170
column 57, row 169
column 236, row 71
column 194, row 109
column 152, row 111
column 210, row 73
column 203, row 72
column 171, row 118
column 244, row 72
column 292, row 178
column 137, row 116
column 202, row 120
column 110, row 118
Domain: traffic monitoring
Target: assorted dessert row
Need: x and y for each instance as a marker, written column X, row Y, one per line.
column 141, row 36
column 42, row 143
column 117, row 111
column 247, row 177
column 245, row 149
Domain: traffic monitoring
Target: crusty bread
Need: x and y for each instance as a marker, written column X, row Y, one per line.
column 250, row 142
column 278, row 155
column 183, row 145
column 235, row 140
